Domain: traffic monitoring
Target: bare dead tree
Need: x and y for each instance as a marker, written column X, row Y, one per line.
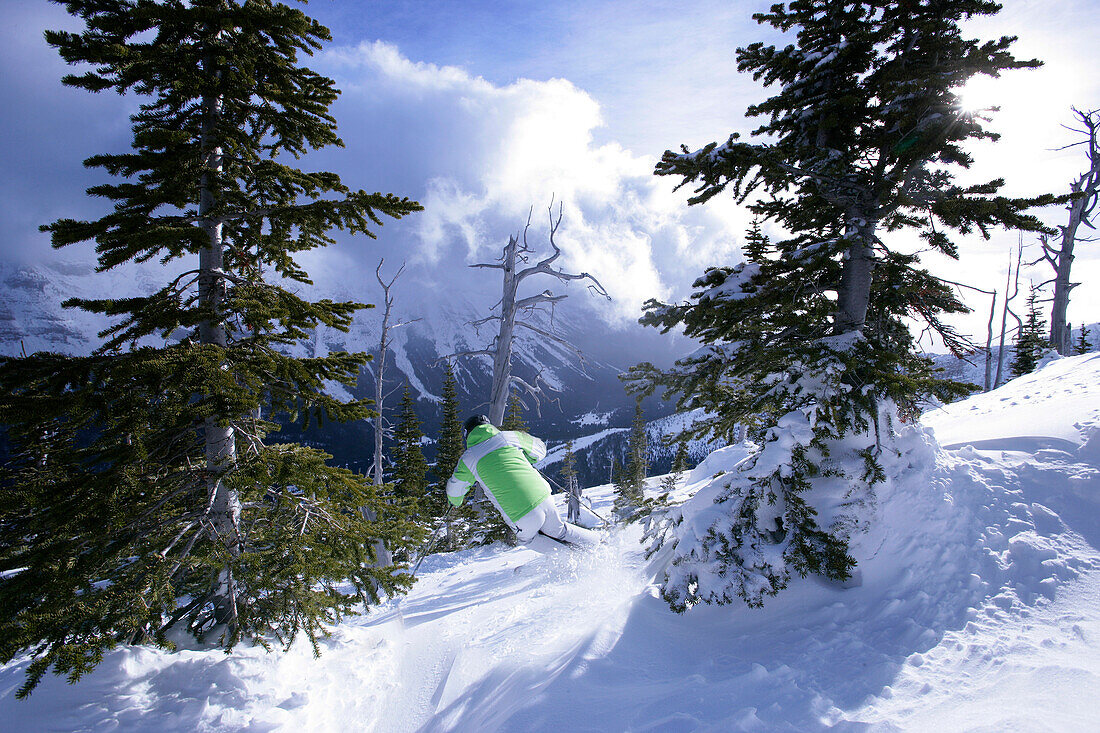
column 1081, row 209
column 989, row 343
column 381, row 425
column 515, row 254
column 988, row 384
column 1006, row 310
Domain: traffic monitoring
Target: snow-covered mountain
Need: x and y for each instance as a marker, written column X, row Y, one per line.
column 438, row 324
column 977, row 612
column 594, row 452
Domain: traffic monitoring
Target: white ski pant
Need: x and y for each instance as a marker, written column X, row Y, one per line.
column 545, row 518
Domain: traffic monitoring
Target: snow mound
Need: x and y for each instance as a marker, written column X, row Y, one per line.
column 1052, row 407
column 719, row 462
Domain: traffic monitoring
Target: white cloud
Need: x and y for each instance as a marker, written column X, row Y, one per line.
column 488, row 154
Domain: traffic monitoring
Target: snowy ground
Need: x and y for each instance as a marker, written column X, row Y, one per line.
column 978, row 611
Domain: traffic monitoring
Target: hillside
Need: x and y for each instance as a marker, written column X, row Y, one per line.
column 976, row 612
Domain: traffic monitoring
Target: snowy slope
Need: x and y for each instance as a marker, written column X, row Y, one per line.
column 1031, row 412
column 977, row 612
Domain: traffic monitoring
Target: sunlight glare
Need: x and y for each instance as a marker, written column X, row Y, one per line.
column 982, row 93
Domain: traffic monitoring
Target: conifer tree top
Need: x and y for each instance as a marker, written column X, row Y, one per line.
column 219, row 75
column 866, row 118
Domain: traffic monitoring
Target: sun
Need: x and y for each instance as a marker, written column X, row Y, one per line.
column 983, row 94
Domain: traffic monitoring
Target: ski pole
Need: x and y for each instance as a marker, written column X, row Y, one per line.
column 431, row 540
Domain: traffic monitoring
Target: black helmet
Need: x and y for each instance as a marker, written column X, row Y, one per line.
column 473, row 422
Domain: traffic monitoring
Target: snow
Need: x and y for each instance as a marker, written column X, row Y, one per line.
column 1030, row 412
column 736, row 284
column 976, row 612
column 592, row 418
column 557, row 453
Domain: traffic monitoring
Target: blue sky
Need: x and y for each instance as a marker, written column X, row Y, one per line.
column 483, row 110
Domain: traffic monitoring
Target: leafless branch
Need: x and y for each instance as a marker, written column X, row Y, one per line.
column 482, row 321
column 552, row 337
column 545, row 296
column 964, row 285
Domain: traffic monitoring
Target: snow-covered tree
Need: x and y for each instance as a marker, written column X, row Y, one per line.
column 511, row 306
column 1031, row 340
column 680, row 460
column 1086, row 190
column 679, row 465
column 164, row 506
column 860, row 141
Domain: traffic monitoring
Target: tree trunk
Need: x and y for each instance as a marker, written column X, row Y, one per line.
column 502, row 351
column 989, row 343
column 514, row 255
column 1080, row 211
column 1059, row 334
column 1004, row 311
column 382, row 554
column 221, row 449
column 854, row 293
column 378, row 398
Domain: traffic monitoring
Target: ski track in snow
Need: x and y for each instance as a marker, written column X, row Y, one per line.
column 977, row 612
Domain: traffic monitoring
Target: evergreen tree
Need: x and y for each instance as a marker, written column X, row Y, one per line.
column 568, row 464
column 679, row 465
column 630, row 489
column 491, row 527
column 163, row 505
column 451, row 443
column 637, row 462
column 410, row 469
column 618, row 482
column 757, row 246
column 668, row 483
column 681, row 459
column 1031, row 341
column 513, row 418
column 861, row 140
column 1083, row 341
column 451, row 446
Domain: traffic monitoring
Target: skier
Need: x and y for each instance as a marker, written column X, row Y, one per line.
column 503, row 463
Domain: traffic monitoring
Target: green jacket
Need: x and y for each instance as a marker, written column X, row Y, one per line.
column 503, row 463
